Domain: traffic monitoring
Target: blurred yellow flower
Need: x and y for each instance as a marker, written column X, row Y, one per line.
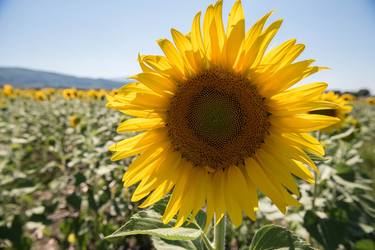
column 340, row 110
column 113, row 92
column 40, row 95
column 96, row 94
column 370, row 100
column 348, row 97
column 72, row 238
column 69, row 94
column 74, row 121
column 8, row 90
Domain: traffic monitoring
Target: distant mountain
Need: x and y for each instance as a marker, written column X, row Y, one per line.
column 27, row 78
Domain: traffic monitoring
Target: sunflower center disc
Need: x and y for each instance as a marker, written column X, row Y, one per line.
column 217, row 119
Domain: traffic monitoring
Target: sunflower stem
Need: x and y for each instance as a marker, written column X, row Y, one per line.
column 315, row 190
column 219, row 234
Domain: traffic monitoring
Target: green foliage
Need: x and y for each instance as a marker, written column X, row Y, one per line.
column 149, row 222
column 58, row 181
column 59, row 189
column 276, row 237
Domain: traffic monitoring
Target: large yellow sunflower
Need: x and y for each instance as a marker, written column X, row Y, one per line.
column 219, row 120
column 340, row 110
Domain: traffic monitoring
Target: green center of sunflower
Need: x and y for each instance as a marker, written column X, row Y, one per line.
column 217, row 119
column 215, row 116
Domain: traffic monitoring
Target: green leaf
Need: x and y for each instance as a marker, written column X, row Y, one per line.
column 164, row 244
column 74, row 201
column 149, row 222
column 277, row 237
column 365, row 244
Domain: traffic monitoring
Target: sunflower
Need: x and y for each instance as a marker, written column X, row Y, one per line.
column 8, row 90
column 74, row 121
column 218, row 120
column 96, row 94
column 70, row 94
column 113, row 92
column 40, row 95
column 348, row 97
column 340, row 111
column 370, row 100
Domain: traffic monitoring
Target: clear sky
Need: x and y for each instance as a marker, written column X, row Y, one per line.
column 100, row 38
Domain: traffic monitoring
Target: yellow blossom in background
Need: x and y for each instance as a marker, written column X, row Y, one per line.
column 218, row 119
column 348, row 97
column 97, row 94
column 74, row 121
column 49, row 91
column 91, row 94
column 40, row 95
column 69, row 94
column 370, row 100
column 101, row 94
column 72, row 238
column 113, row 92
column 8, row 90
column 341, row 110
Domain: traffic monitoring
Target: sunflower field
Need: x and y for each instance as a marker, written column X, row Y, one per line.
column 59, row 188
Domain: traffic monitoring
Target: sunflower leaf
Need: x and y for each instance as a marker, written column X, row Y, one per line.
column 148, row 222
column 164, row 244
column 277, row 237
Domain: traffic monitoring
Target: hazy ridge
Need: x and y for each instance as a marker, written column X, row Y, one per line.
column 27, row 78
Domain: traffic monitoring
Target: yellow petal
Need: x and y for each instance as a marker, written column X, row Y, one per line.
column 235, row 33
column 186, row 50
column 156, row 82
column 254, row 55
column 174, row 203
column 218, row 9
column 157, row 194
column 196, row 35
column 302, row 123
column 262, row 181
column 161, row 65
column 274, row 167
column 307, row 142
column 172, row 55
column 240, row 190
column 139, row 124
column 233, row 207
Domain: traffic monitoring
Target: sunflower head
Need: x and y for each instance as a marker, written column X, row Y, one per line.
column 8, row 90
column 70, row 94
column 340, row 109
column 348, row 97
column 50, row 91
column 40, row 95
column 218, row 119
column 96, row 94
column 74, row 121
column 370, row 100
column 113, row 92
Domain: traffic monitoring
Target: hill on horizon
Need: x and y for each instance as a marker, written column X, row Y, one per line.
column 28, row 78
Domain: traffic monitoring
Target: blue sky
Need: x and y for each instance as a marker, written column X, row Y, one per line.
column 99, row 38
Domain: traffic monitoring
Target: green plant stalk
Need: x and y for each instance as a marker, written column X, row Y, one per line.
column 315, row 190
column 219, row 234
